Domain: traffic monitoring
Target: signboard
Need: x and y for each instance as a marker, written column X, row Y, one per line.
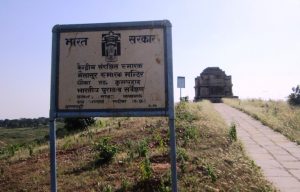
column 112, row 68
column 180, row 82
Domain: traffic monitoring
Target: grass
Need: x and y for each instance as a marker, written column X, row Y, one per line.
column 207, row 159
column 10, row 136
column 278, row 115
column 17, row 143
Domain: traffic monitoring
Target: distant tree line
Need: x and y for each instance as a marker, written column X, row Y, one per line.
column 25, row 122
column 69, row 123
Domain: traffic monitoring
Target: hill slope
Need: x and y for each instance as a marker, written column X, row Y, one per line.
column 131, row 154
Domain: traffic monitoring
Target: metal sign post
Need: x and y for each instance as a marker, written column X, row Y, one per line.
column 53, row 155
column 180, row 84
column 112, row 70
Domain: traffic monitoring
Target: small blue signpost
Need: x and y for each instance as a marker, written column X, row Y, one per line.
column 112, row 70
column 180, row 84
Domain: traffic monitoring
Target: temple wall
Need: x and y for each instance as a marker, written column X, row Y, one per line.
column 213, row 83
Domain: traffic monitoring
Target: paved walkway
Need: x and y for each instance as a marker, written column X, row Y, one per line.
column 278, row 157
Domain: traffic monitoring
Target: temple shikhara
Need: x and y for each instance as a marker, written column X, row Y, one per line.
column 213, row 84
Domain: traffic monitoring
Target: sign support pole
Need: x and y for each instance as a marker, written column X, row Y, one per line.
column 180, row 95
column 173, row 153
column 53, row 154
column 171, row 110
column 52, row 114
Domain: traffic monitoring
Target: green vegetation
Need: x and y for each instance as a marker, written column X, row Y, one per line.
column 104, row 151
column 294, row 97
column 9, row 136
column 24, row 122
column 232, row 132
column 135, row 152
column 146, row 170
column 25, row 139
column 142, row 148
column 78, row 124
column 278, row 115
column 211, row 172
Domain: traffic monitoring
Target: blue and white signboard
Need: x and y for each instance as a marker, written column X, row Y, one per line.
column 180, row 82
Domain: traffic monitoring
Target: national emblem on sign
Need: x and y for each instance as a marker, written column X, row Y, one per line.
column 111, row 46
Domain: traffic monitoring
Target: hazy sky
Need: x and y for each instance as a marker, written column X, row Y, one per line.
column 255, row 41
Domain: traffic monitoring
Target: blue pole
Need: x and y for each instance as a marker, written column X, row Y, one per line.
column 173, row 154
column 171, row 114
column 53, row 155
column 52, row 114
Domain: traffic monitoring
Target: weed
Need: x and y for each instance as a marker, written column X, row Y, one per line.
column 130, row 153
column 142, row 148
column 165, row 183
column 125, row 185
column 90, row 134
column 12, row 149
column 1, row 171
column 190, row 133
column 108, row 188
column 211, row 172
column 128, row 144
column 146, row 170
column 159, row 123
column 119, row 125
column 232, row 132
column 164, row 188
column 182, row 114
column 275, row 111
column 182, row 158
column 255, row 116
column 100, row 123
column 105, row 151
column 252, row 164
column 160, row 141
column 67, row 144
column 30, row 149
column 182, row 155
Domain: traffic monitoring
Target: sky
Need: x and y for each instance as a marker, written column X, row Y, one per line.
column 257, row 42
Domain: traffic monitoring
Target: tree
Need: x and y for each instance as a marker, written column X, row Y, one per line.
column 294, row 97
column 77, row 123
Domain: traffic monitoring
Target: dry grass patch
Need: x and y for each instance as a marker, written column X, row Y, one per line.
column 278, row 115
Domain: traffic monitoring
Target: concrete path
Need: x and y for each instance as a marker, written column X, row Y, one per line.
column 278, row 157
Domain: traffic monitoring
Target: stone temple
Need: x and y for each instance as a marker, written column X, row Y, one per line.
column 213, row 84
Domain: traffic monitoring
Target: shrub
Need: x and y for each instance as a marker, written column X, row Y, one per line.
column 294, row 98
column 106, row 151
column 75, row 124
